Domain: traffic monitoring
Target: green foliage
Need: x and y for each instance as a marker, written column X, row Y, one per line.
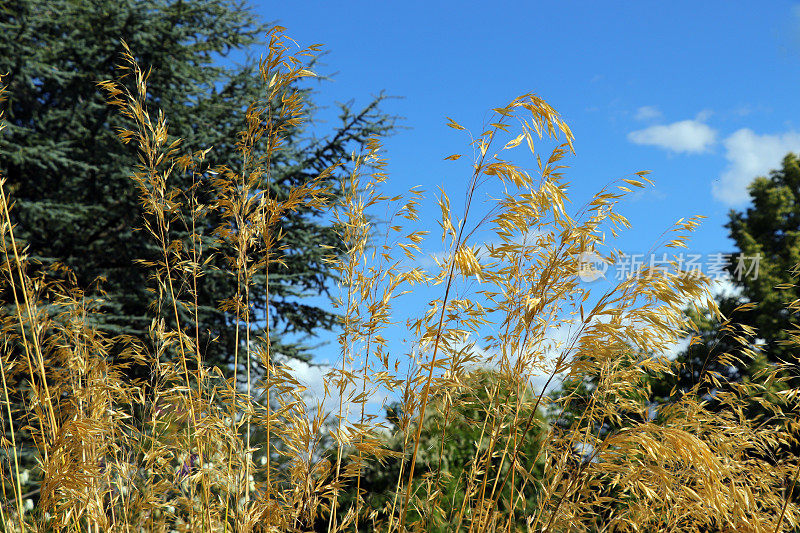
column 76, row 203
column 757, row 323
column 466, row 451
column 770, row 228
column 456, row 444
column 726, row 366
column 70, row 174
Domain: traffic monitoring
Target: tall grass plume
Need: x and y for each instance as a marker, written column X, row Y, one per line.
column 87, row 447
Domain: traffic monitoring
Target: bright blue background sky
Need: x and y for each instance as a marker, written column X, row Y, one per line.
column 698, row 93
column 703, row 94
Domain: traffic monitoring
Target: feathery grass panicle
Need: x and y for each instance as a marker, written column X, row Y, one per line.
column 465, row 445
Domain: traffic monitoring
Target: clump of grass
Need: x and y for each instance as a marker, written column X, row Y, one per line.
column 194, row 451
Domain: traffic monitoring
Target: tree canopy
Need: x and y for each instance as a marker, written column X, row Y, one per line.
column 70, row 175
column 769, row 229
column 759, row 321
column 456, row 450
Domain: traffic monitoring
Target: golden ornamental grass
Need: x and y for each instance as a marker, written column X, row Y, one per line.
column 199, row 450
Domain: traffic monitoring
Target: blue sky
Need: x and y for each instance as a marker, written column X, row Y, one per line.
column 704, row 95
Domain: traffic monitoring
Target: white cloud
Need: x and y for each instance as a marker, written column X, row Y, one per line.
column 690, row 136
column 704, row 115
column 538, row 374
column 313, row 377
column 724, row 288
column 751, row 155
column 647, row 112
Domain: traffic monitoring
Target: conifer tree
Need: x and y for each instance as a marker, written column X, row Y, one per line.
column 69, row 174
column 769, row 232
column 767, row 238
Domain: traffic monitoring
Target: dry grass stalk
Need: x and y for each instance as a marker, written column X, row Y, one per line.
column 183, row 456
